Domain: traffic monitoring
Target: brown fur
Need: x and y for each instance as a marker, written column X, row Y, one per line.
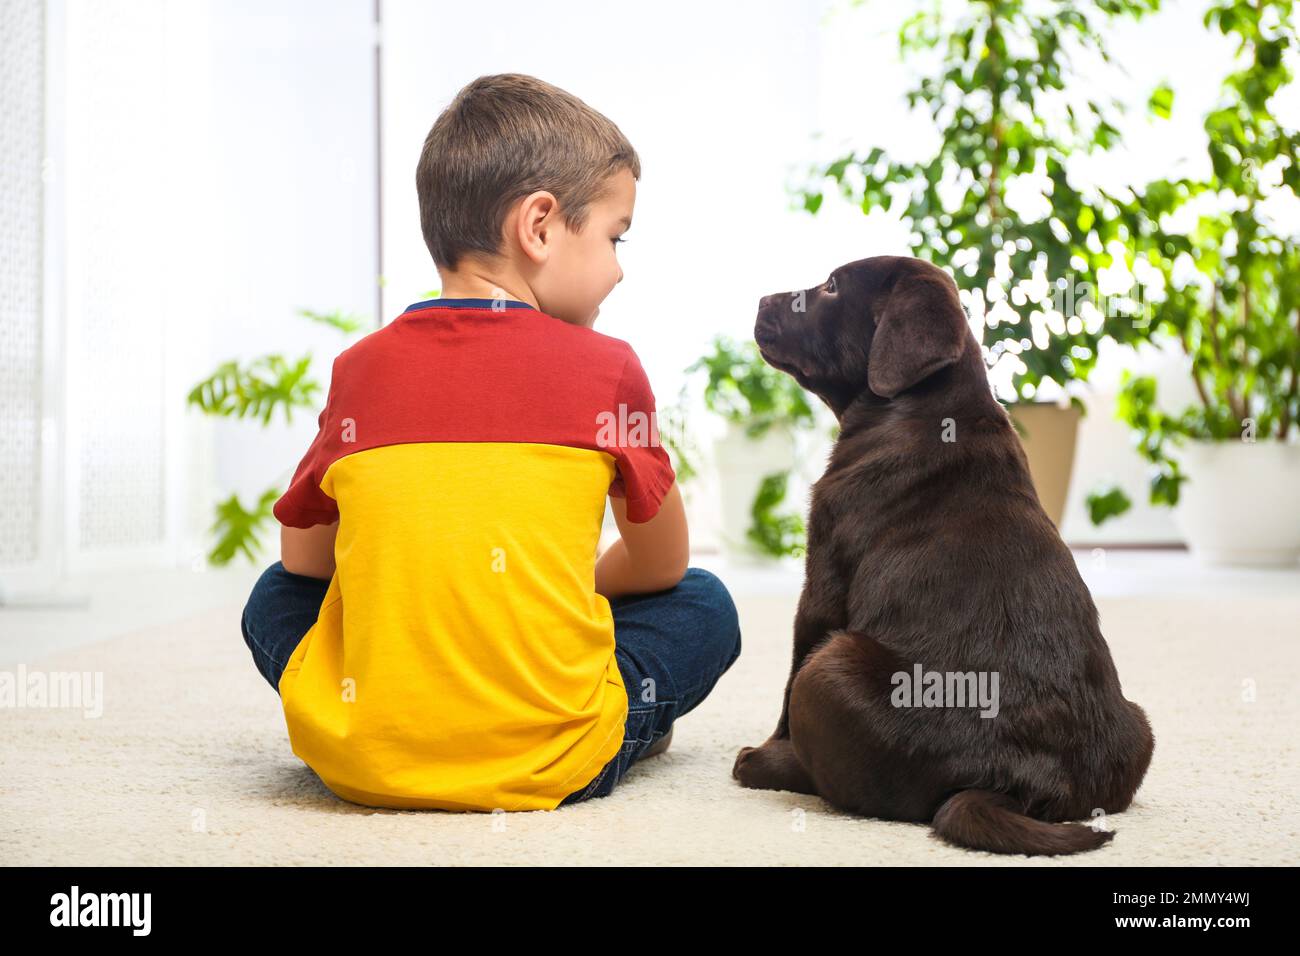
column 938, row 553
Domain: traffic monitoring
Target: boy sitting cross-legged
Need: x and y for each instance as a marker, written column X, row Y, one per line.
column 439, row 628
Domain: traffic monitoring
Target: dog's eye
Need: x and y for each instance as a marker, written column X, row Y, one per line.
column 830, row 284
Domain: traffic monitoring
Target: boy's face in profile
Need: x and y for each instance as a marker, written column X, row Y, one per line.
column 583, row 267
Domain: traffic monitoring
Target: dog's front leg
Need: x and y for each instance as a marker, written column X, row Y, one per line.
column 822, row 606
column 773, row 765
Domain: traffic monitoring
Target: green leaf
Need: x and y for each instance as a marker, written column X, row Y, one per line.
column 1161, row 103
column 775, row 534
column 257, row 389
column 238, row 528
column 1106, row 504
column 744, row 389
column 344, row 322
column 674, row 435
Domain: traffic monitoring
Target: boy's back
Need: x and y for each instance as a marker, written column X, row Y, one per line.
column 462, row 658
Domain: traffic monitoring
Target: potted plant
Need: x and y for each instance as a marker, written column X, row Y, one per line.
column 765, row 411
column 1227, row 293
column 993, row 205
column 255, row 390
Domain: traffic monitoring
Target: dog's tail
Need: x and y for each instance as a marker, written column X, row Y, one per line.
column 987, row 820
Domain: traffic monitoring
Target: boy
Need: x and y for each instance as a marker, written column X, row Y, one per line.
column 439, row 628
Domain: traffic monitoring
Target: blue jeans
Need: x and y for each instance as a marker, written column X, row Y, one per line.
column 672, row 647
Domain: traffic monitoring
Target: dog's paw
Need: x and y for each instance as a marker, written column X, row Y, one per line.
column 741, row 759
column 772, row 766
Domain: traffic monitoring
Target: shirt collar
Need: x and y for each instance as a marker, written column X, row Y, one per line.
column 492, row 304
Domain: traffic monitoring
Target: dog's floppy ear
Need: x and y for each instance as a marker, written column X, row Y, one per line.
column 921, row 329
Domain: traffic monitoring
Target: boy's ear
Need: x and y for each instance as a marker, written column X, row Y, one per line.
column 921, row 329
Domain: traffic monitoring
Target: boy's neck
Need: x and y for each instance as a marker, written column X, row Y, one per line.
column 478, row 281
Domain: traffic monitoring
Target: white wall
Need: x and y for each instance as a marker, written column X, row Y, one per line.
column 293, row 127
column 126, row 94
column 209, row 168
column 23, row 64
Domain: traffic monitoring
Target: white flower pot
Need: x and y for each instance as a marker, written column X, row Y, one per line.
column 742, row 463
column 1240, row 504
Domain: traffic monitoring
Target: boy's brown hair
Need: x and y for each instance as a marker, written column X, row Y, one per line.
column 503, row 137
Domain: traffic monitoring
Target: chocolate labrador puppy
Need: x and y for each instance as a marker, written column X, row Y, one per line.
column 948, row 665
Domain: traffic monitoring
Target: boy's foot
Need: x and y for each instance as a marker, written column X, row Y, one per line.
column 660, row 745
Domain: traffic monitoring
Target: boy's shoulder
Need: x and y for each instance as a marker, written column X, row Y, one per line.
column 519, row 379
column 521, row 335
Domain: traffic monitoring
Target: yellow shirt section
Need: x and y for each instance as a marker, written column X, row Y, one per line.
column 462, row 659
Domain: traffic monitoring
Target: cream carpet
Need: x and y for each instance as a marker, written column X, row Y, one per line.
column 190, row 764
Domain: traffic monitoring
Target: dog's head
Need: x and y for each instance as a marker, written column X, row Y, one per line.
column 886, row 323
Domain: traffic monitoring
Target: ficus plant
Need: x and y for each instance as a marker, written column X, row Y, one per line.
column 256, row 389
column 994, row 85
column 744, row 390
column 772, row 531
column 1225, row 281
column 672, row 420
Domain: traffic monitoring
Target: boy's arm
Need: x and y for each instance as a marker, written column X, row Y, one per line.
column 309, row 551
column 649, row 555
column 308, row 516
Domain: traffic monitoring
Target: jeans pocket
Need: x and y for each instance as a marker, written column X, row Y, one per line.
column 640, row 727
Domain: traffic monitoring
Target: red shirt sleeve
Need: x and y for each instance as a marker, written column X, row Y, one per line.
column 644, row 473
column 305, row 504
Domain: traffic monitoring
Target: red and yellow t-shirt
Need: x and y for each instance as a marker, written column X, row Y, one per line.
column 462, row 659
